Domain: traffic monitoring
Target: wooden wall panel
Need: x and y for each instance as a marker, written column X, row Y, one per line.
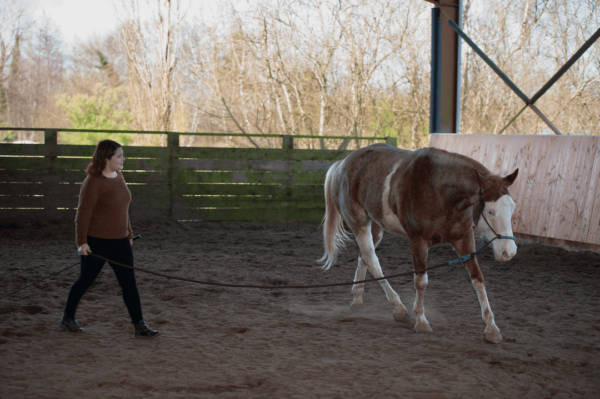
column 558, row 189
column 578, row 189
column 563, row 193
column 539, row 213
column 592, row 212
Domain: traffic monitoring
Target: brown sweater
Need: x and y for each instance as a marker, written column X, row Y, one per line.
column 103, row 210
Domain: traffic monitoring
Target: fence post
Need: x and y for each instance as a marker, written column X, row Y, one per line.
column 173, row 145
column 392, row 141
column 50, row 142
column 288, row 142
column 50, row 136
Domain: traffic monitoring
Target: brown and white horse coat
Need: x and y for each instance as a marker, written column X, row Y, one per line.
column 431, row 196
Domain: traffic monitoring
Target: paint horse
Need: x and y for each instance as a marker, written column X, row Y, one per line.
column 431, row 196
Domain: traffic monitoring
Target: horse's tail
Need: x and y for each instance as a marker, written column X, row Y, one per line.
column 334, row 234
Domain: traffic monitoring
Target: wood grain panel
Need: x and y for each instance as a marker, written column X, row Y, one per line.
column 545, row 192
column 579, row 229
column 475, row 148
column 563, row 194
column 592, row 213
column 535, row 177
column 577, row 190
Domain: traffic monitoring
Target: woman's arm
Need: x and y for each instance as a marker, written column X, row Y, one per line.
column 129, row 230
column 88, row 197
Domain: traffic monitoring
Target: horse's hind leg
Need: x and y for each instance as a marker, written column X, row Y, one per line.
column 368, row 238
column 418, row 250
column 358, row 289
column 361, row 270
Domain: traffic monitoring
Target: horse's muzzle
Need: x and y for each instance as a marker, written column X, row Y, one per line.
column 505, row 255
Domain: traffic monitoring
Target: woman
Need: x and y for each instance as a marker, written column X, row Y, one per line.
column 102, row 227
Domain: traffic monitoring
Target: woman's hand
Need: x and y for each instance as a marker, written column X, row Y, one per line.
column 84, row 250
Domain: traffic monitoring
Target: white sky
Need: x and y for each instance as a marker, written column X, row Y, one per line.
column 76, row 19
column 79, row 20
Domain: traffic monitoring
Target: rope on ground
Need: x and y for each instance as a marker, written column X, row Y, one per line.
column 275, row 287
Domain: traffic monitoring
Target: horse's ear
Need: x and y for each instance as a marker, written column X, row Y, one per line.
column 510, row 179
column 483, row 182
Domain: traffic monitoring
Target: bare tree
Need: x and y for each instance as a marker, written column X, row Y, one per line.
column 315, row 33
column 14, row 24
column 549, row 33
column 370, row 39
column 35, row 75
column 218, row 65
column 152, row 58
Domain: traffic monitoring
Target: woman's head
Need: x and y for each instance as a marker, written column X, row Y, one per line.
column 104, row 153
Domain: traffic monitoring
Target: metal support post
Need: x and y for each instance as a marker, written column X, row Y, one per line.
column 436, row 71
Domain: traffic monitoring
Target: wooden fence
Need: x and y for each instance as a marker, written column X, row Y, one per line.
column 557, row 191
column 181, row 183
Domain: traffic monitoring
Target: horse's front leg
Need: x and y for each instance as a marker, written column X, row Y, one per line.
column 465, row 247
column 418, row 249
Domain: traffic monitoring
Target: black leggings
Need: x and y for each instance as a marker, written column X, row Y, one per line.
column 119, row 251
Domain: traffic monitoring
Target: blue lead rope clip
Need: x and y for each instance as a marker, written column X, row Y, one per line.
column 468, row 256
column 461, row 259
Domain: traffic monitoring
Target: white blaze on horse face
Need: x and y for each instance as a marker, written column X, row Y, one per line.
column 499, row 215
column 390, row 221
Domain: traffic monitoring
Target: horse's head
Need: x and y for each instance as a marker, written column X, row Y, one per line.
column 498, row 208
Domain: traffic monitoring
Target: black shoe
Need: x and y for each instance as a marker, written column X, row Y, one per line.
column 71, row 325
column 143, row 331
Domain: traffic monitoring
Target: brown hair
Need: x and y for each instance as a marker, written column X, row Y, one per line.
column 104, row 151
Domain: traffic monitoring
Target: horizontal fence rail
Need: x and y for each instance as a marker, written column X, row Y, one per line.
column 173, row 182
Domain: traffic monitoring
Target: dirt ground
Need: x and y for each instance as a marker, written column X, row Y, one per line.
column 246, row 343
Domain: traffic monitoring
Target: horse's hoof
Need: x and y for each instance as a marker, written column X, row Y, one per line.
column 401, row 317
column 425, row 327
column 493, row 338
